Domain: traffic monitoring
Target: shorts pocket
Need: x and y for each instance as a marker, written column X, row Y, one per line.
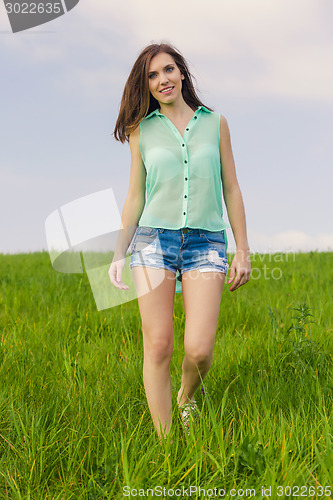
column 143, row 237
column 212, row 236
column 146, row 231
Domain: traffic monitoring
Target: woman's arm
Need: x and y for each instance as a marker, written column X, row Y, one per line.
column 133, row 208
column 135, row 200
column 235, row 208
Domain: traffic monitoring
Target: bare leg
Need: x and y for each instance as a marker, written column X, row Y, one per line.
column 156, row 307
column 157, row 382
column 191, row 379
column 202, row 297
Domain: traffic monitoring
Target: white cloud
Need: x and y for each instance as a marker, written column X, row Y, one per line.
column 26, row 223
column 239, row 51
column 273, row 48
column 290, row 241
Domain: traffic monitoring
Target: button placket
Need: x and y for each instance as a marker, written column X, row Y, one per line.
column 186, row 174
column 184, row 152
column 186, row 170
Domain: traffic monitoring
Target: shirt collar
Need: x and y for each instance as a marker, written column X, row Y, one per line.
column 157, row 112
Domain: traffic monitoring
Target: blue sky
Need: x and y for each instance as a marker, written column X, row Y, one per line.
column 265, row 65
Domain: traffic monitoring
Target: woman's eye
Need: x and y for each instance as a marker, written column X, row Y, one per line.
column 153, row 74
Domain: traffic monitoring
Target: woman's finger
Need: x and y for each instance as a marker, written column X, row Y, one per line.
column 235, row 284
column 115, row 273
column 245, row 277
column 232, row 274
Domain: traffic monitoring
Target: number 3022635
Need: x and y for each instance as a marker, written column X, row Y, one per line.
column 303, row 491
column 33, row 8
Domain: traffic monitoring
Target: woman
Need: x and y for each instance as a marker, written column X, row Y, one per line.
column 180, row 152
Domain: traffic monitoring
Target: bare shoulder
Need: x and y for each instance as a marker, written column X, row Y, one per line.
column 134, row 137
column 137, row 184
column 224, row 127
column 228, row 169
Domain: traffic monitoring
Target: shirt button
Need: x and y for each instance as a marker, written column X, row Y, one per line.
column 187, row 129
column 185, row 196
column 184, row 213
column 195, row 117
column 183, row 145
column 185, row 161
column 186, row 178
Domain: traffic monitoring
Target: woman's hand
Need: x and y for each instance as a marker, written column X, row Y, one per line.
column 116, row 272
column 242, row 267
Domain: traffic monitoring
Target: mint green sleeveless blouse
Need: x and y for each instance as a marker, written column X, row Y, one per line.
column 183, row 174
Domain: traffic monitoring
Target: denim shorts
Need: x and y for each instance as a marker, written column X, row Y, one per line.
column 180, row 250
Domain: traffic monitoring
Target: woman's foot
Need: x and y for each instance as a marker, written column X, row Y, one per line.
column 181, row 401
column 189, row 413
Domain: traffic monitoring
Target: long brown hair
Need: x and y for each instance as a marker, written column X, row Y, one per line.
column 137, row 101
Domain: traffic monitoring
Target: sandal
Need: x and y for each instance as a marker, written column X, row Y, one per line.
column 189, row 411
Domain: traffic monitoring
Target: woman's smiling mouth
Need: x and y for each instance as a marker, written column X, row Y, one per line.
column 168, row 90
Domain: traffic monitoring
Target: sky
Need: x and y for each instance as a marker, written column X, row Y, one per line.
column 266, row 65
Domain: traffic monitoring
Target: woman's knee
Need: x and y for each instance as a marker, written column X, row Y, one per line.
column 199, row 355
column 158, row 348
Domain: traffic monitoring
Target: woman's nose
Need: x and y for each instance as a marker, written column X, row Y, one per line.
column 164, row 79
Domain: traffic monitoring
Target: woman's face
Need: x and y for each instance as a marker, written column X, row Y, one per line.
column 164, row 73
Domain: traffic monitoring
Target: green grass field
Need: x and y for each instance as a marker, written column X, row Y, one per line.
column 74, row 420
